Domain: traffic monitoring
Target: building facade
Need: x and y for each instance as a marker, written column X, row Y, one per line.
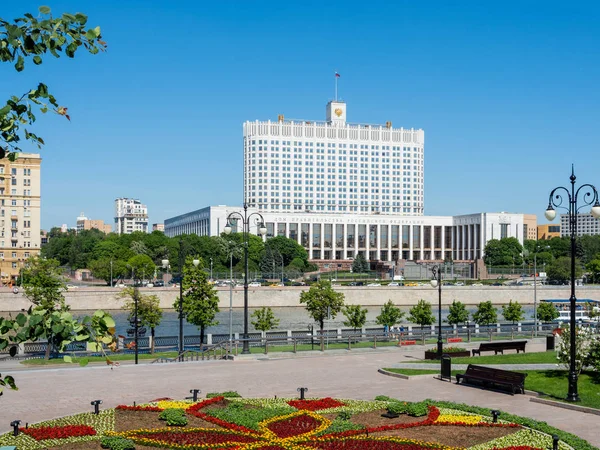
column 333, row 166
column 586, row 224
column 19, row 213
column 130, row 215
column 548, row 231
column 83, row 223
column 158, row 227
column 377, row 237
column 529, row 226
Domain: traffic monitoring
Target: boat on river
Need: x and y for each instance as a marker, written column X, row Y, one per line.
column 583, row 308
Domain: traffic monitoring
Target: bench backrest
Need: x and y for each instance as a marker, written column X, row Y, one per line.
column 495, row 374
column 504, row 345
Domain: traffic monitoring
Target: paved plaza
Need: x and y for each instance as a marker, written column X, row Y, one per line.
column 49, row 393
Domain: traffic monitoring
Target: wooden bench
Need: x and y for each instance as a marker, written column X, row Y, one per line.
column 499, row 347
column 494, row 377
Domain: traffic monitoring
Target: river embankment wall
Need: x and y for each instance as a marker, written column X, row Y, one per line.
column 92, row 298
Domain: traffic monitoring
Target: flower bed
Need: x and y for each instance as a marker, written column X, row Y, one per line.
column 455, row 352
column 292, row 424
column 42, row 433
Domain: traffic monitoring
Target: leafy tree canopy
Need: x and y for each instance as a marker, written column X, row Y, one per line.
column 32, row 38
column 421, row 314
column 513, row 312
column 457, row 314
column 503, row 252
column 356, row 316
column 320, row 300
column 360, row 264
column 560, row 270
column 485, row 314
column 264, row 319
column 547, row 312
column 390, row 315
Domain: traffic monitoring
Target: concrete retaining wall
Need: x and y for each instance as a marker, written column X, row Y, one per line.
column 104, row 298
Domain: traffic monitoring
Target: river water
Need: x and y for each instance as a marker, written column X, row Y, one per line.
column 290, row 318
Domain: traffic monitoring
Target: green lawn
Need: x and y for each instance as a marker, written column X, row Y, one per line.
column 99, row 359
column 548, row 357
column 552, row 384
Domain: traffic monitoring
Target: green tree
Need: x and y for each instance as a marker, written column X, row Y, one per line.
column 356, row 316
column 264, row 320
column 513, row 312
column 421, row 314
column 593, row 267
column 560, row 270
column 320, row 300
column 288, row 248
column 200, row 300
column 457, row 313
column 485, row 314
column 503, row 252
column 271, row 263
column 44, row 284
column 360, row 264
column 390, row 315
column 141, row 266
column 547, row 312
column 101, row 268
column 148, row 309
column 30, row 37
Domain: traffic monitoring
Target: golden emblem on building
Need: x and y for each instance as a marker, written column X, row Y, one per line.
column 338, row 112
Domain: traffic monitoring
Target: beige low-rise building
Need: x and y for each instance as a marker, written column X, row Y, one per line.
column 530, row 227
column 19, row 214
column 83, row 223
column 548, row 231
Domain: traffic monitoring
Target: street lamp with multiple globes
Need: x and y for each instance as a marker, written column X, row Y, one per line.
column 165, row 263
column 262, row 230
column 437, row 282
column 590, row 197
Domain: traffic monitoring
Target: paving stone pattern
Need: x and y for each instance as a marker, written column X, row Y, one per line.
column 48, row 393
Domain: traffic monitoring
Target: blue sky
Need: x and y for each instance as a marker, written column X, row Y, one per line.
column 507, row 93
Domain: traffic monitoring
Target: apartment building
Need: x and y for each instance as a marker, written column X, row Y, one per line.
column 19, row 214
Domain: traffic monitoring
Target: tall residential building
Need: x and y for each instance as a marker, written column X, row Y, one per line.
column 83, row 223
column 19, row 213
column 130, row 216
column 333, row 166
column 586, row 224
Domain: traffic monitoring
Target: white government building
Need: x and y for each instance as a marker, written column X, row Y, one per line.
column 340, row 189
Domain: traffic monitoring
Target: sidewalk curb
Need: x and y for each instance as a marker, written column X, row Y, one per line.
column 405, row 377
column 583, row 409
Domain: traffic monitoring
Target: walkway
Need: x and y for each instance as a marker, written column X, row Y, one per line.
column 50, row 393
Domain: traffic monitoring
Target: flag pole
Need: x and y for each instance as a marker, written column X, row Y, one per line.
column 336, row 87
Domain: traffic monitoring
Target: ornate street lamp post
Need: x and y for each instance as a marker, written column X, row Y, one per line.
column 590, row 197
column 262, row 230
column 437, row 282
column 165, row 263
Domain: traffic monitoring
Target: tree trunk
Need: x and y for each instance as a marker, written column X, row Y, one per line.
column 152, row 344
column 201, row 337
column 321, row 324
column 422, row 334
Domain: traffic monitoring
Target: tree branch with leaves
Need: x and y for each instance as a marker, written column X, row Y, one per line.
column 33, row 38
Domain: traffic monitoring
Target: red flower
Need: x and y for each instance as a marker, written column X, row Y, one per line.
column 41, row 433
column 294, row 426
column 315, row 405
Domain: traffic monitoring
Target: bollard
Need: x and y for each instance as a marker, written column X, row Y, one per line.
column 15, row 425
column 195, row 393
column 555, row 440
column 495, row 414
column 96, row 405
column 302, row 390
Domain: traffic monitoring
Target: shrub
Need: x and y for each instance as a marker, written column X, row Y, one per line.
column 344, row 415
column 174, row 417
column 397, row 408
column 226, row 394
column 417, row 409
column 117, row 443
column 383, row 398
